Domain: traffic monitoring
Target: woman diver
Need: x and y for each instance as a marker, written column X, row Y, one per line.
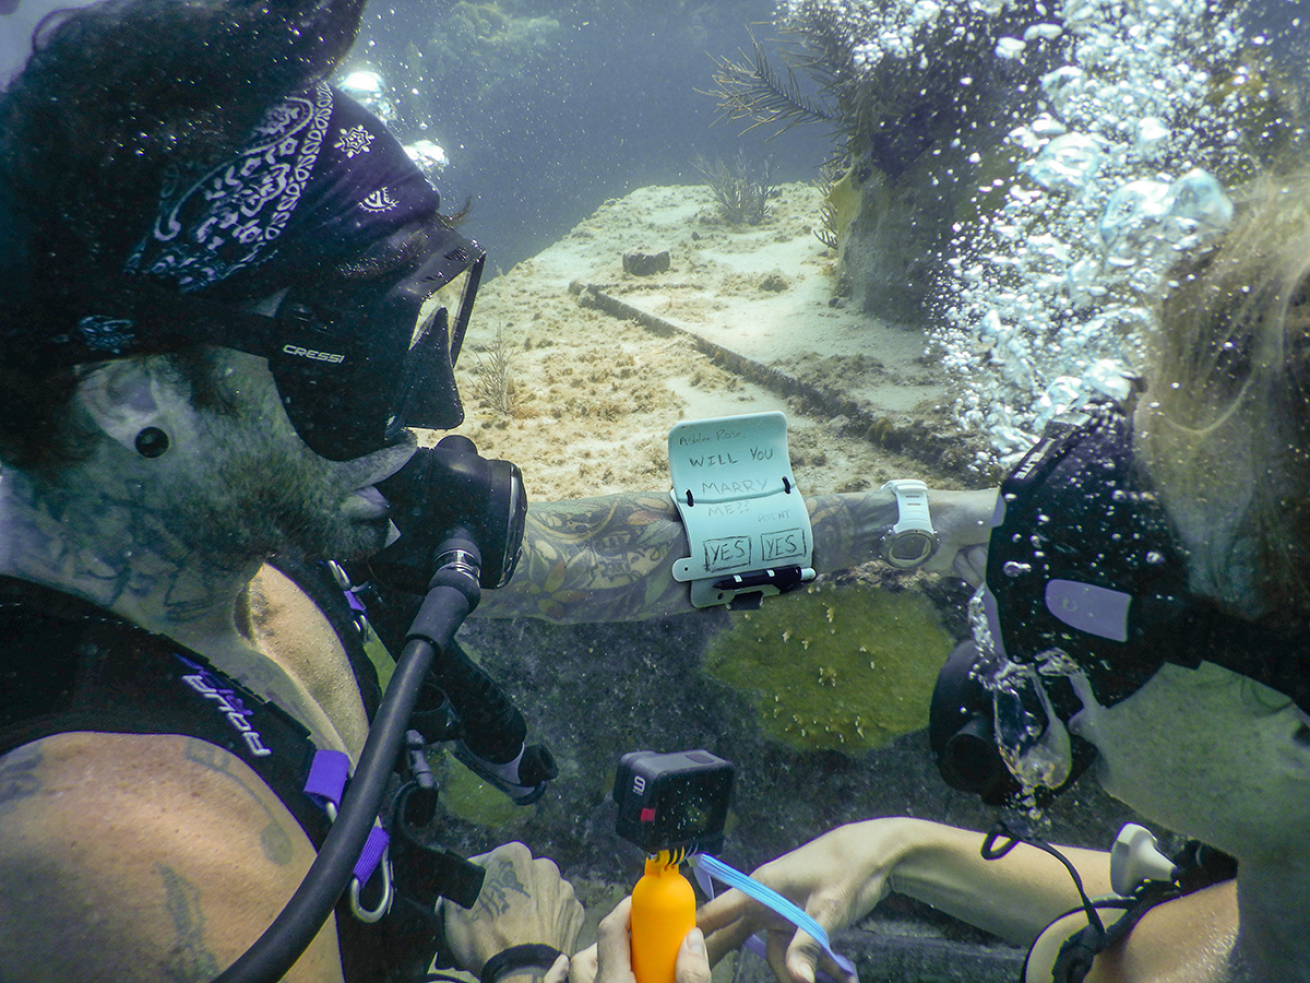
column 1148, row 593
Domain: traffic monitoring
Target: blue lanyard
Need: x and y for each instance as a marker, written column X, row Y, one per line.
column 708, row 867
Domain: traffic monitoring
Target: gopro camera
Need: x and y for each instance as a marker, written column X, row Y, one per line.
column 673, row 801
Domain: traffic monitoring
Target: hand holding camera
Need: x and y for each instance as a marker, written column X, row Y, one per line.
column 610, row 960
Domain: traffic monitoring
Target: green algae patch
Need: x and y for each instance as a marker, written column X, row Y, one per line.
column 467, row 796
column 843, row 669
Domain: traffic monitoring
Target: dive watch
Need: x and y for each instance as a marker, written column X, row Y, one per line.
column 911, row 542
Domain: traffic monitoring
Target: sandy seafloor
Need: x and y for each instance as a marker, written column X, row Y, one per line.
column 594, row 395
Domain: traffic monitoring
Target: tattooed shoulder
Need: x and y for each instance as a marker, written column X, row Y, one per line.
column 189, row 959
column 19, row 777
column 274, row 840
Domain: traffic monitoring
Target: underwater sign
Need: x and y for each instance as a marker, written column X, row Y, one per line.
column 746, row 521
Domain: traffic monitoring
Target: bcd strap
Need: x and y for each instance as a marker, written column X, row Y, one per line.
column 424, row 872
column 326, row 784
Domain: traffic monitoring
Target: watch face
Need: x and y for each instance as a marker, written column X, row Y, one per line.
column 909, row 549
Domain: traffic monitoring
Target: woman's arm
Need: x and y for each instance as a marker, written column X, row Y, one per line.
column 839, row 877
column 611, row 558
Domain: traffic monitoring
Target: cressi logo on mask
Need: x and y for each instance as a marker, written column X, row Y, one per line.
column 331, row 357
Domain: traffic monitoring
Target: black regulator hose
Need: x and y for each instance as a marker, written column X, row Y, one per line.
column 452, row 595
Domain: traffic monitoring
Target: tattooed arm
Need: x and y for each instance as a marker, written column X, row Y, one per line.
column 142, row 859
column 611, row 558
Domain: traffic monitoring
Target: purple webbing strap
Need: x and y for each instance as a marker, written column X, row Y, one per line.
column 326, row 783
column 327, row 776
column 371, row 855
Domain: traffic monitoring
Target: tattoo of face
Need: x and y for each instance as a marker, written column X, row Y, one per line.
column 502, row 881
column 273, row 839
column 188, row 960
column 18, row 777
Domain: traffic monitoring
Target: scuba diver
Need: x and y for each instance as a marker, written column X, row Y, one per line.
column 226, row 295
column 1145, row 610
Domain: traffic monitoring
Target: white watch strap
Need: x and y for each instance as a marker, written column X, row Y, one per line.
column 912, row 503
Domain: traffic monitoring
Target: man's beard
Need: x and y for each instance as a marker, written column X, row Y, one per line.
column 273, row 500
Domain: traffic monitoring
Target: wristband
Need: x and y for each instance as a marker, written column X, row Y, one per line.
column 912, row 541
column 519, row 957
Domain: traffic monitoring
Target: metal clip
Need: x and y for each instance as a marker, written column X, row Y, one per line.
column 388, row 893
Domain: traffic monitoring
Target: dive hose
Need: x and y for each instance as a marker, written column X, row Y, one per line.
column 453, row 593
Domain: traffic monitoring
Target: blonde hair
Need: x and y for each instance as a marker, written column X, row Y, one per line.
column 1226, row 432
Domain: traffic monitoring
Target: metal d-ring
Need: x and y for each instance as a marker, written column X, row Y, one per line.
column 388, row 894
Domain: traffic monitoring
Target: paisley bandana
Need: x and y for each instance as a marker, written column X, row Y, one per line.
column 320, row 178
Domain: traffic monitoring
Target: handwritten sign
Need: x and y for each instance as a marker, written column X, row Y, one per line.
column 734, row 489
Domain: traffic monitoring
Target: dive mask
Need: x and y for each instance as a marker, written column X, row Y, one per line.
column 1083, row 571
column 354, row 366
column 1083, row 559
column 354, row 373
